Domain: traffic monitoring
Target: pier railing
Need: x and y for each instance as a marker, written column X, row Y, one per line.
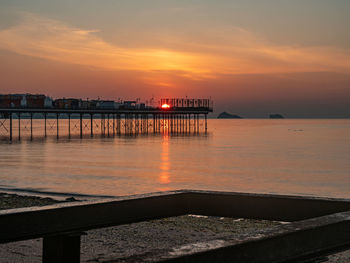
column 317, row 226
column 105, row 122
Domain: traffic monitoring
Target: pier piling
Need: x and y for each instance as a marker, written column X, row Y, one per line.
column 31, row 126
column 11, row 127
column 108, row 124
column 45, row 117
column 19, row 126
column 91, row 125
column 130, row 122
column 113, row 125
column 57, row 125
column 68, row 125
column 81, row 125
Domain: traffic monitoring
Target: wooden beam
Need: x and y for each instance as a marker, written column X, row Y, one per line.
column 324, row 225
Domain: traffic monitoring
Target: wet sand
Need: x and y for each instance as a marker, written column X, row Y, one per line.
column 145, row 241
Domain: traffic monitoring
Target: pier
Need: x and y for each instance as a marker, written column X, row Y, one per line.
column 105, row 122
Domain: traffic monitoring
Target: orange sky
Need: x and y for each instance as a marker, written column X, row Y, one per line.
column 247, row 67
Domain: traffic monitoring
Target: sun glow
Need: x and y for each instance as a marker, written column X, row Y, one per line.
column 165, row 106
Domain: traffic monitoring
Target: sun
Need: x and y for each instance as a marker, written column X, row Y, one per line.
column 165, row 106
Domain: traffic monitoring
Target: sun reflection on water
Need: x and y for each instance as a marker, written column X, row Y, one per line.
column 164, row 177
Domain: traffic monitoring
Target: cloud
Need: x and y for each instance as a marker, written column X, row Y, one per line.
column 50, row 39
column 207, row 54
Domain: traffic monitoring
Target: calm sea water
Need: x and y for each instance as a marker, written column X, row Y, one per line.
column 308, row 157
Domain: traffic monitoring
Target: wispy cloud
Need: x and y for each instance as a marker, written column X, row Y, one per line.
column 51, row 39
column 227, row 50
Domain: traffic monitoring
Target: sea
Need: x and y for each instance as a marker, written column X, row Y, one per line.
column 309, row 157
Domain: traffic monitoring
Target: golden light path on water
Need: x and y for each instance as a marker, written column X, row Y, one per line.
column 164, row 177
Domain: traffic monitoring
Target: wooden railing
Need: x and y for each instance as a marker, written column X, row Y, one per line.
column 318, row 225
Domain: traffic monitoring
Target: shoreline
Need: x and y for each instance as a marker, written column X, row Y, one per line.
column 12, row 200
column 50, row 194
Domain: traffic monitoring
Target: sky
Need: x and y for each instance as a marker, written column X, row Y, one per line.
column 252, row 57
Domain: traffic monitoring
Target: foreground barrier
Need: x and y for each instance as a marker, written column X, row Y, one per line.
column 318, row 225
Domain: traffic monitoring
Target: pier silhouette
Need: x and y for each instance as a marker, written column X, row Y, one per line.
column 15, row 123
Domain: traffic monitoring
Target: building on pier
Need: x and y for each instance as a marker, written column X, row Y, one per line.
column 40, row 101
column 19, row 101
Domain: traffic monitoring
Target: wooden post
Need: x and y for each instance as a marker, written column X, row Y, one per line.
column 63, row 248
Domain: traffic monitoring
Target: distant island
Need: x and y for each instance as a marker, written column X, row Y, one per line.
column 225, row 115
column 276, row 116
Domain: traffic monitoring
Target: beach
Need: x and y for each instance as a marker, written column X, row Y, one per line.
column 144, row 241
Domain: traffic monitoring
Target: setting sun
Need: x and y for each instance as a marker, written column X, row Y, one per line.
column 165, row 106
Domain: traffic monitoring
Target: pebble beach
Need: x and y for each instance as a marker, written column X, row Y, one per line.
column 144, row 241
